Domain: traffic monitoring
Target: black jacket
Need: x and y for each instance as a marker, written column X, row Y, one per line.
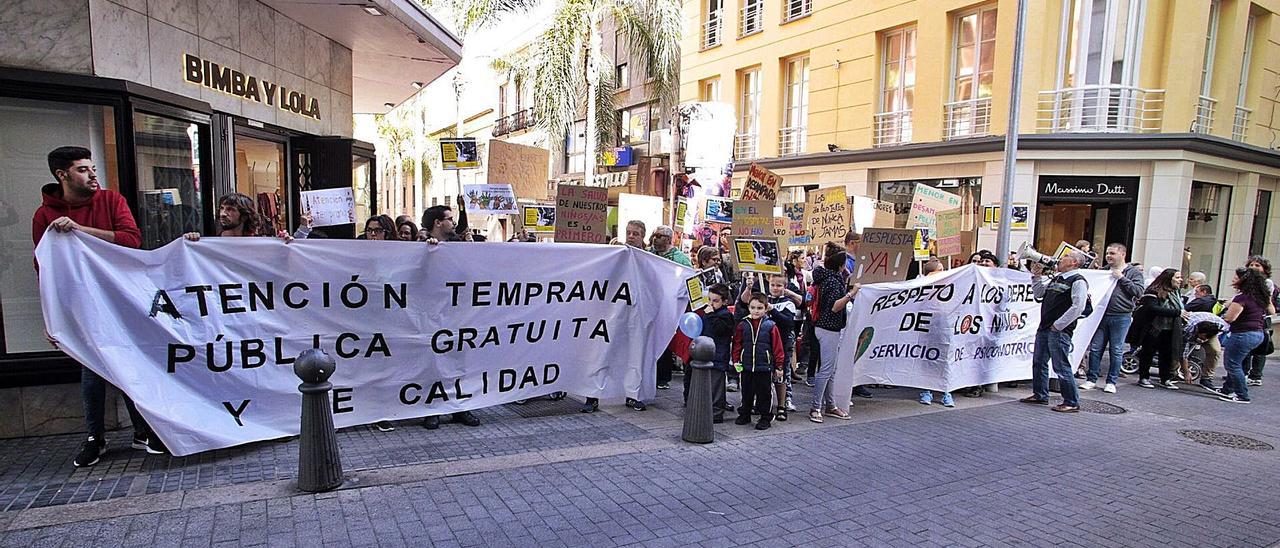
column 1201, row 304
column 1152, row 316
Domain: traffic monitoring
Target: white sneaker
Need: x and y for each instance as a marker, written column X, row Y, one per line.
column 1110, row 388
column 1087, row 385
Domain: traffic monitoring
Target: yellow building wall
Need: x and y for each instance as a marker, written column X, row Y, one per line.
column 841, row 38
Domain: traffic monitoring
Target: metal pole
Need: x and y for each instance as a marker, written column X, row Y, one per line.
column 319, row 461
column 1011, row 138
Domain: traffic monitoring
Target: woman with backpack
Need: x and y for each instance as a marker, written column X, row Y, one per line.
column 1157, row 327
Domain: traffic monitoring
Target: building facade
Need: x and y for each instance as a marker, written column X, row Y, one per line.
column 182, row 101
column 1145, row 122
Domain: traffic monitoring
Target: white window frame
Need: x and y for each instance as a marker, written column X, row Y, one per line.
column 900, row 85
column 1101, row 103
column 749, row 101
column 1242, row 90
column 795, row 106
column 1210, row 49
column 709, row 90
column 805, row 9
column 977, row 53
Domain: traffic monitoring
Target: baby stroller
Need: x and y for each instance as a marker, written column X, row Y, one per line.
column 1194, row 362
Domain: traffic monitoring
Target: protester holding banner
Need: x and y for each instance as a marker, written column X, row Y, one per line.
column 1114, row 328
column 932, row 268
column 442, row 229
column 1160, row 328
column 407, row 231
column 78, row 202
column 833, row 295
column 236, row 217
column 1064, row 299
column 1246, row 315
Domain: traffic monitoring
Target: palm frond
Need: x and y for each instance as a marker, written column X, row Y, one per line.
column 559, row 70
column 652, row 29
column 474, row 14
column 606, row 105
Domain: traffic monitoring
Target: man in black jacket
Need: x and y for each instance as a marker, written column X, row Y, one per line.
column 1202, row 300
column 437, row 221
column 1116, row 321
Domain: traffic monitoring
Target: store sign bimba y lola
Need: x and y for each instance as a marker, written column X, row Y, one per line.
column 203, row 72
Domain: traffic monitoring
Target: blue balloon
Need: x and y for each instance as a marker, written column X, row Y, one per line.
column 691, row 325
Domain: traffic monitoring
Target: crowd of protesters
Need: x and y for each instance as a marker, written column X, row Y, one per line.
column 774, row 331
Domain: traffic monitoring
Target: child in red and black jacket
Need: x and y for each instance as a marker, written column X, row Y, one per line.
column 758, row 354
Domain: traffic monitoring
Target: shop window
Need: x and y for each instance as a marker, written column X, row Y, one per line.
column 260, row 175
column 634, row 126
column 575, row 149
column 167, row 153
column 1206, row 230
column 899, row 193
column 361, row 173
column 29, row 129
column 1261, row 212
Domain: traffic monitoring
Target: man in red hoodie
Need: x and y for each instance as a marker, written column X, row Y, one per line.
column 78, row 202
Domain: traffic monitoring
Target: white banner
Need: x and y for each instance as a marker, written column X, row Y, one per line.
column 964, row 327
column 202, row 335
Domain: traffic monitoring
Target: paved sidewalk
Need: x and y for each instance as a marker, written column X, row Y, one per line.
column 991, row 472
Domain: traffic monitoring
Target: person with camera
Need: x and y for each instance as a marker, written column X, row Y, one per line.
column 1115, row 322
column 1064, row 300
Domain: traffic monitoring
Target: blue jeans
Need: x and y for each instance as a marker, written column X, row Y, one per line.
column 1110, row 335
column 93, row 393
column 1055, row 345
column 1235, row 349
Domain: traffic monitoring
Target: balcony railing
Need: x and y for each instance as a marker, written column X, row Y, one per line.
column 1205, row 108
column 1114, row 109
column 711, row 30
column 751, row 18
column 1240, row 126
column 968, row 118
column 796, row 9
column 893, row 128
column 523, row 119
column 792, row 140
column 746, row 146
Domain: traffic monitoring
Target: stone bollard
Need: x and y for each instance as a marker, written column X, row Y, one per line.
column 319, row 465
column 698, row 427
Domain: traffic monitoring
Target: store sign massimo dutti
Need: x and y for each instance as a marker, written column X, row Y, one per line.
column 203, row 72
column 1089, row 187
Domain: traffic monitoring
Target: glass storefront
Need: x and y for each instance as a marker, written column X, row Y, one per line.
column 29, row 129
column 167, row 152
column 260, row 175
column 1258, row 234
column 361, row 170
column 1206, row 231
column 899, row 193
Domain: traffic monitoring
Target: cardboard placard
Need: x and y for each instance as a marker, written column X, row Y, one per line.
column 827, row 215
column 697, row 293
column 782, row 229
column 718, row 210
column 331, row 206
column 761, row 184
column 926, row 202
column 884, row 255
column 753, row 218
column 797, row 234
column 923, row 246
column 1020, row 212
column 637, row 207
column 684, row 215
column 459, row 153
column 948, row 237
column 581, row 213
column 540, row 218
column 762, row 255
column 525, row 167
column 490, row 199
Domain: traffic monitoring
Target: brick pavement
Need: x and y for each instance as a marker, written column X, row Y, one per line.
column 989, row 473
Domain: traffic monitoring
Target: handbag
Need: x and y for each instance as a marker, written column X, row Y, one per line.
column 1266, row 348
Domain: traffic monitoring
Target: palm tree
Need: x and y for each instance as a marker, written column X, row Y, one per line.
column 569, row 70
column 397, row 135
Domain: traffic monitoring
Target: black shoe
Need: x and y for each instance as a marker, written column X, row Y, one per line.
column 139, row 442
column 728, row 408
column 1207, row 384
column 466, row 417
column 717, row 419
column 384, row 426
column 742, row 420
column 762, row 425
column 636, row 404
column 431, row 423
column 90, row 453
column 862, row 392
column 591, row 405
column 975, row 392
column 155, row 446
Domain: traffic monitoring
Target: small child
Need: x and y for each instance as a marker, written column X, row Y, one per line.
column 784, row 303
column 758, row 354
column 717, row 323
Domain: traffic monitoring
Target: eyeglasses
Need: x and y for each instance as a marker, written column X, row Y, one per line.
column 375, row 231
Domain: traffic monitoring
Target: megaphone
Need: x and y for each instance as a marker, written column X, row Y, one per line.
column 1028, row 253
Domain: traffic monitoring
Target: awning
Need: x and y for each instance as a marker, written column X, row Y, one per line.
column 394, row 43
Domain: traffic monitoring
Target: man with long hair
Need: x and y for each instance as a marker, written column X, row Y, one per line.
column 236, row 217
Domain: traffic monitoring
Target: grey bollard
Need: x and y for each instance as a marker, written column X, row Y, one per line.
column 698, row 427
column 319, row 465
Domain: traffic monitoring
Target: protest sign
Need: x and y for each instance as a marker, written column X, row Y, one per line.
column 757, row 255
column 797, row 234
column 761, row 184
column 490, row 199
column 923, row 246
column 964, row 327
column 1020, row 213
column 581, row 213
column 719, row 210
column 697, row 293
column 948, row 236
column 926, row 202
column 884, row 255
column 827, row 215
column 685, row 214
column 459, row 153
column 540, row 218
column 202, row 335
column 782, row 229
column 753, row 218
column 637, row 207
column 525, row 167
column 331, row 206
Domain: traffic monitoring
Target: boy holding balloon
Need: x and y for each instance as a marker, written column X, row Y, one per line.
column 716, row 322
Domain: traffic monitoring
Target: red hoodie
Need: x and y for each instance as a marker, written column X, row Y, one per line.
column 106, row 210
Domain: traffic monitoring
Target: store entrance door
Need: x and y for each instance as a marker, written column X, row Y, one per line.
column 1097, row 209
